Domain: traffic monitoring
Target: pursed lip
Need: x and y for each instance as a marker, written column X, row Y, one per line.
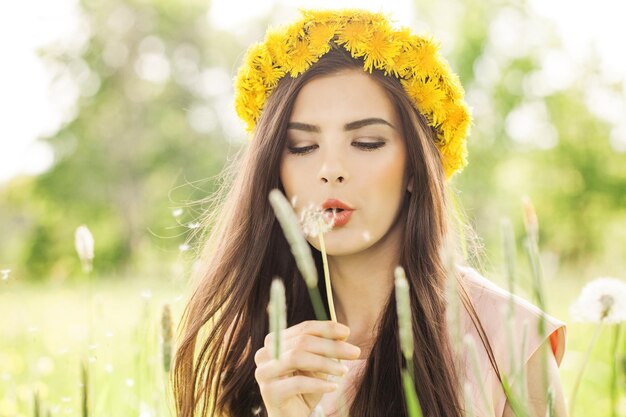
column 334, row 203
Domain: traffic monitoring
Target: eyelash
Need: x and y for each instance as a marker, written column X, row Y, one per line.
column 366, row 146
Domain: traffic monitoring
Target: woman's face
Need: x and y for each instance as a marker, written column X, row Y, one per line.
column 344, row 142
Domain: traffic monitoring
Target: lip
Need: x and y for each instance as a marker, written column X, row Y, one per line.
column 334, row 203
column 341, row 218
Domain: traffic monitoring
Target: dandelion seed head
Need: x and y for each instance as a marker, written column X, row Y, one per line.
column 603, row 299
column 177, row 212
column 4, row 274
column 83, row 240
column 314, row 221
column 184, row 247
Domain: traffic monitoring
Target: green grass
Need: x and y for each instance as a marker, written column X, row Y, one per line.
column 45, row 336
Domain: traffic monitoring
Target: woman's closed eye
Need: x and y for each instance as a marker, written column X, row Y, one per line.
column 366, row 146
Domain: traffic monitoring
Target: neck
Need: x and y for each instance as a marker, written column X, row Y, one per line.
column 361, row 285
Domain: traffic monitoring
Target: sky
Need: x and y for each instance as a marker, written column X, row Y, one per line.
column 30, row 109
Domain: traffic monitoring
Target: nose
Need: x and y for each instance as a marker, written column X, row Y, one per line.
column 332, row 169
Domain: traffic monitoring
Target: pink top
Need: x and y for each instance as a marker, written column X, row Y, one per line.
column 491, row 303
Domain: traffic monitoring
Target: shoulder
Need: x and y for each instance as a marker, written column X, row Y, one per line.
column 509, row 318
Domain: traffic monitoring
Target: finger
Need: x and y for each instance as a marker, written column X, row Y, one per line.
column 328, row 329
column 293, row 361
column 289, row 387
column 337, row 349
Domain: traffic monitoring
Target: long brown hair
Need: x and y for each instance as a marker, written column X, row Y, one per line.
column 225, row 321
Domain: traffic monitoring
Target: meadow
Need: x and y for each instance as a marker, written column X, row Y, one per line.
column 46, row 336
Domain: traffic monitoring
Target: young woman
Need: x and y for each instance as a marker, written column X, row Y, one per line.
column 366, row 121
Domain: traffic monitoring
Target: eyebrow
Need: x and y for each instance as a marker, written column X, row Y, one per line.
column 347, row 127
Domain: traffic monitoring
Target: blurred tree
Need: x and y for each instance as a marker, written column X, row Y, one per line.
column 151, row 81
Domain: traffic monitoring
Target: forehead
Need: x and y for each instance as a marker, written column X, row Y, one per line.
column 344, row 96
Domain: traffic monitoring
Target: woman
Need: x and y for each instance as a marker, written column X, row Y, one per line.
column 367, row 122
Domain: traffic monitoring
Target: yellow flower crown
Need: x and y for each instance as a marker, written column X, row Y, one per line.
column 426, row 77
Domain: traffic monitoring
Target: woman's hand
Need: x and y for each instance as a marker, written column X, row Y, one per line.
column 294, row 384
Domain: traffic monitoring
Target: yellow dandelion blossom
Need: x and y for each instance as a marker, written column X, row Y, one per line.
column 300, row 58
column 320, row 36
column 266, row 71
column 428, row 97
column 381, row 51
column 425, row 60
column 353, row 36
column 277, row 46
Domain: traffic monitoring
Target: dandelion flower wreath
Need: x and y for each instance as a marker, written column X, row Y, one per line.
column 427, row 78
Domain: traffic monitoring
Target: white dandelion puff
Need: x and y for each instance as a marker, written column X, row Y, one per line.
column 129, row 382
column 4, row 274
column 603, row 299
column 177, row 212
column 84, row 246
column 183, row 248
column 314, row 221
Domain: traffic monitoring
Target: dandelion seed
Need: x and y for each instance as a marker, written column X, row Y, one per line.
column 108, row 368
column 184, row 247
column 4, row 274
column 277, row 310
column 129, row 382
column 33, row 329
column 6, row 376
column 84, row 243
column 313, row 221
column 146, row 294
column 93, row 346
column 603, row 299
column 177, row 212
column 66, row 399
column 193, row 225
column 109, row 334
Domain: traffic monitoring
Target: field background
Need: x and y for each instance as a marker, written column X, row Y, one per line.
column 151, row 124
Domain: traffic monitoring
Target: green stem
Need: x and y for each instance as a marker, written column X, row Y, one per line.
column 329, row 290
column 614, row 357
column 582, row 369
